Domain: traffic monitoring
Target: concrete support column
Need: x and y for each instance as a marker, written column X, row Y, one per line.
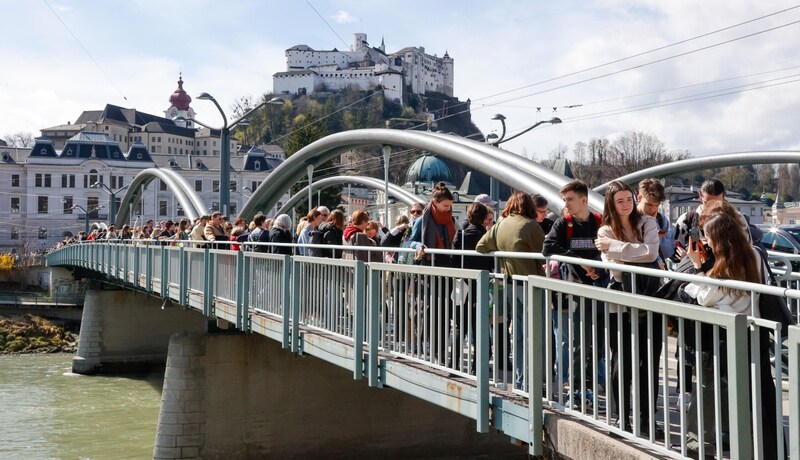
column 242, row 396
column 125, row 331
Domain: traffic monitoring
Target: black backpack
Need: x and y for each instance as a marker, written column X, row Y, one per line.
column 315, row 238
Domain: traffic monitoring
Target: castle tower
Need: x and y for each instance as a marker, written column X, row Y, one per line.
column 359, row 42
column 447, row 72
column 179, row 106
column 383, row 46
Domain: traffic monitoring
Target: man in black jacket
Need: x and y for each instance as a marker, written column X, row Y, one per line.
column 573, row 235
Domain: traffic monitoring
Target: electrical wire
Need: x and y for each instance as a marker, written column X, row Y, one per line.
column 75, row 37
column 326, row 23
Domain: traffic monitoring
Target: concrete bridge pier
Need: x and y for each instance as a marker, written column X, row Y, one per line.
column 242, row 396
column 125, row 331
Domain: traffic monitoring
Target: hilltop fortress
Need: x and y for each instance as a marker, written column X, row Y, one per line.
column 408, row 71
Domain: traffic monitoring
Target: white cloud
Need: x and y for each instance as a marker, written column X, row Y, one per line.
column 343, row 17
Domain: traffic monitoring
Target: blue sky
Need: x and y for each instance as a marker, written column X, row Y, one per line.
column 231, row 49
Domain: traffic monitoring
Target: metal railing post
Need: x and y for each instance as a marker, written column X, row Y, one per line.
column 184, row 275
column 738, row 388
column 208, row 283
column 358, row 320
column 287, row 299
column 482, row 352
column 164, row 272
column 295, row 306
column 535, row 359
column 794, row 391
column 148, row 278
column 241, row 287
column 374, row 327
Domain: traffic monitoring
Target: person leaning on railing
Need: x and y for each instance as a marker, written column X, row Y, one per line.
column 734, row 259
column 516, row 231
column 630, row 237
column 281, row 233
column 355, row 235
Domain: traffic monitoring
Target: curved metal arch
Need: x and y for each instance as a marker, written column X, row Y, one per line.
column 466, row 152
column 711, row 161
column 394, row 190
column 541, row 172
column 174, row 182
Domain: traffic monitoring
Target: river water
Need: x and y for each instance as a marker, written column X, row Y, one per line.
column 46, row 411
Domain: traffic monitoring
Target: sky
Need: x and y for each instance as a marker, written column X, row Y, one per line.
column 603, row 67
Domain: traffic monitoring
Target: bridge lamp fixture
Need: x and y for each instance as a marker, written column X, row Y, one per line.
column 112, row 212
column 225, row 148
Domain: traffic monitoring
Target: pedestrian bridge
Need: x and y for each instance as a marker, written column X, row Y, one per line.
column 456, row 338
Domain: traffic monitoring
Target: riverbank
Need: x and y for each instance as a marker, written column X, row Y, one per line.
column 34, row 334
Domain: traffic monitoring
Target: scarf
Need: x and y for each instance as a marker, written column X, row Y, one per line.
column 350, row 230
column 441, row 219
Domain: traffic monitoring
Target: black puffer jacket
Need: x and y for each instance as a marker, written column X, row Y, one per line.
column 332, row 235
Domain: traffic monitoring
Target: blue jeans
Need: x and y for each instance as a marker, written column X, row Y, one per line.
column 561, row 329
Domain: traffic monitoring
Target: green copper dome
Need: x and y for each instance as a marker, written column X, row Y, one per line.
column 428, row 169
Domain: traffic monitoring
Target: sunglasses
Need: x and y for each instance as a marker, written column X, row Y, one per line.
column 415, row 211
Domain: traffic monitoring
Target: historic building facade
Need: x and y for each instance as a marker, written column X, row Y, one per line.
column 47, row 191
column 409, row 70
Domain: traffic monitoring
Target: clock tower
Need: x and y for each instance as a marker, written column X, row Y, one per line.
column 179, row 107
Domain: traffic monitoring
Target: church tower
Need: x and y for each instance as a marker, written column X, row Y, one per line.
column 179, row 106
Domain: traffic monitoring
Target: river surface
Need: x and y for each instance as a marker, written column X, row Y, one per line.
column 46, row 411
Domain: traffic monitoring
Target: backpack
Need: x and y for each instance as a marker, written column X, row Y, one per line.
column 598, row 218
column 563, row 268
column 315, row 237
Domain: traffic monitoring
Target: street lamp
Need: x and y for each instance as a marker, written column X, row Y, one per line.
column 85, row 213
column 225, row 148
column 112, row 208
column 502, row 118
column 502, row 139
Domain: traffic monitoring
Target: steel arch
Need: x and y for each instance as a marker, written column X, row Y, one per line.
column 711, row 161
column 192, row 205
column 394, row 190
column 470, row 153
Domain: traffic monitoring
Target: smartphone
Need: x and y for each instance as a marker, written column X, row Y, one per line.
column 694, row 234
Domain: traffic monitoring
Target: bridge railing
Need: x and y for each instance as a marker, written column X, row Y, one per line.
column 424, row 314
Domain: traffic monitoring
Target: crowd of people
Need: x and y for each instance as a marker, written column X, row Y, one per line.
column 713, row 240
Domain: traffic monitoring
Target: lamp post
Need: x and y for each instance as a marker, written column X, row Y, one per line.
column 387, row 152
column 502, row 139
column 85, row 213
column 225, row 148
column 112, row 207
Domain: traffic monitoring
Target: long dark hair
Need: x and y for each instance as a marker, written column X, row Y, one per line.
column 614, row 220
column 734, row 258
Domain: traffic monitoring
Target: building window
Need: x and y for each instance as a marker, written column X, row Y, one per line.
column 198, row 186
column 257, row 165
column 162, row 186
column 68, row 181
column 162, row 208
column 67, row 200
column 214, row 206
column 15, row 180
column 37, row 181
column 116, row 182
column 92, row 205
column 752, row 212
column 233, row 186
column 169, row 149
column 42, row 204
column 14, row 205
column 14, row 233
column 215, row 186
column 139, row 207
column 253, row 186
column 94, row 177
column 42, row 233
column 233, row 209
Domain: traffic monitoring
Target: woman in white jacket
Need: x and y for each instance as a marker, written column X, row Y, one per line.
column 734, row 259
column 629, row 236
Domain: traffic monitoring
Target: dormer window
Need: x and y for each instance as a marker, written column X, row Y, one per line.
column 139, row 156
column 43, row 151
column 257, row 165
column 69, row 152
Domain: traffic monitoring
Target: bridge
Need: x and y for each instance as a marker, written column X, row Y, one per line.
column 452, row 338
